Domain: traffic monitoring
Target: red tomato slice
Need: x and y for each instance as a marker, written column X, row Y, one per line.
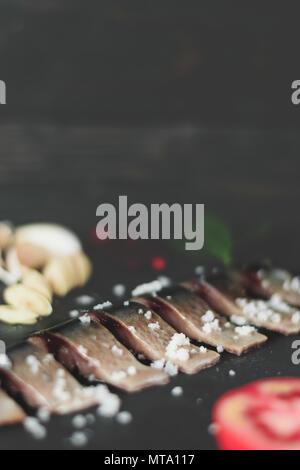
column 264, row 415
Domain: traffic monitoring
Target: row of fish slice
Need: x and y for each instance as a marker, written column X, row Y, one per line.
column 165, row 328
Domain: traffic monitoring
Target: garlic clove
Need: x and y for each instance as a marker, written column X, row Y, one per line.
column 37, row 243
column 17, row 316
column 83, row 268
column 21, row 296
column 59, row 276
column 6, row 234
column 35, row 280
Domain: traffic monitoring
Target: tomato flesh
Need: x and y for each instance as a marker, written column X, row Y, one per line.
column 264, row 415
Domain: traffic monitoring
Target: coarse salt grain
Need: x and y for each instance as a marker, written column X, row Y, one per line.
column 5, row 362
column 238, row 320
column 154, row 326
column 103, row 305
column 78, row 439
column 177, row 391
column 158, row 364
column 74, row 313
column 132, row 329
column 82, row 350
column 244, row 330
column 43, row 414
column 33, row 363
column 117, row 350
column 232, row 373
column 119, row 290
column 118, row 375
column 85, row 319
column 171, row 369
column 148, row 315
column 296, row 318
column 131, row 370
column 124, row 417
column 126, row 303
column 208, row 317
column 34, row 427
column 220, row 348
column 149, row 287
column 79, row 421
column 203, row 349
column 85, row 300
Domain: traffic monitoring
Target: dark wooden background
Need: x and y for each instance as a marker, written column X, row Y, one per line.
column 165, row 101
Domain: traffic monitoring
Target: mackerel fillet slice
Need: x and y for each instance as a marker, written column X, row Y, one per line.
column 191, row 315
column 272, row 314
column 268, row 281
column 35, row 376
column 145, row 332
column 90, row 349
column 10, row 411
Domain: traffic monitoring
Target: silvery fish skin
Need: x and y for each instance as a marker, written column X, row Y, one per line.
column 267, row 281
column 42, row 382
column 131, row 326
column 10, row 411
column 89, row 348
column 232, row 302
column 184, row 310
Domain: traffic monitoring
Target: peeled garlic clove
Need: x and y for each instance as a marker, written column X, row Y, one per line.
column 17, row 316
column 37, row 243
column 21, row 296
column 59, row 276
column 31, row 255
column 35, row 280
column 83, row 268
column 6, row 234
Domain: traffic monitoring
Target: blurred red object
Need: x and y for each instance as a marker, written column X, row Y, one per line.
column 159, row 263
column 264, row 415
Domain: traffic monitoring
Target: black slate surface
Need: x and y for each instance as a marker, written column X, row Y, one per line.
column 164, row 103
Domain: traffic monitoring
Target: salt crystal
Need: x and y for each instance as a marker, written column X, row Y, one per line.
column 148, row 315
column 119, row 290
column 117, row 350
column 34, row 427
column 79, row 421
column 78, row 439
column 85, row 319
column 154, row 326
column 177, row 391
column 232, row 373
column 220, row 348
column 124, row 417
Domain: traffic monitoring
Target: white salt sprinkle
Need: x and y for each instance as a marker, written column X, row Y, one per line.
column 103, row 305
column 158, row 364
column 74, row 313
column 79, row 421
column 33, row 363
column 82, row 349
column 203, row 349
column 177, row 391
column 43, row 414
column 131, row 370
column 78, row 439
column 119, row 290
column 117, row 350
column 154, row 326
column 124, row 417
column 148, row 315
column 85, row 300
column 132, row 329
column 220, row 348
column 171, row 369
column 208, row 317
column 232, row 373
column 85, row 319
column 34, row 427
column 126, row 303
